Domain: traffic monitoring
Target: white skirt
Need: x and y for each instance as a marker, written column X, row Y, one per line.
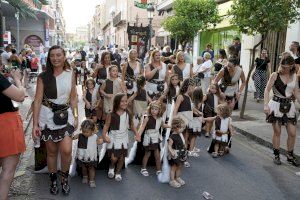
column 196, row 124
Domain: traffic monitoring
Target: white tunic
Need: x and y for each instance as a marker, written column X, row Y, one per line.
column 153, row 135
column 151, row 88
column 90, row 153
column 120, row 137
column 223, row 128
column 64, row 86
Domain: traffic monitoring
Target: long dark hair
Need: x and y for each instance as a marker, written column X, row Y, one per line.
column 140, row 82
column 116, row 104
column 197, row 96
column 185, row 85
column 49, row 66
column 103, row 56
column 171, row 87
column 222, row 53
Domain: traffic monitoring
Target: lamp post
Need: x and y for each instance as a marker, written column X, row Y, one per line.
column 150, row 10
column 17, row 15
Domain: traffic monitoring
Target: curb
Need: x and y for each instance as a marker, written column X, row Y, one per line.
column 260, row 141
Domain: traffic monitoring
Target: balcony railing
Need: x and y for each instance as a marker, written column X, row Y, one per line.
column 118, row 19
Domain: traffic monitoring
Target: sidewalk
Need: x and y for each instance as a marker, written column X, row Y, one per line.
column 255, row 127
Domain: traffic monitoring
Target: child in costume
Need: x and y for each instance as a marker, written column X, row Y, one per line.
column 177, row 152
column 183, row 107
column 151, row 126
column 211, row 101
column 110, row 88
column 223, row 131
column 195, row 125
column 86, row 156
column 115, row 133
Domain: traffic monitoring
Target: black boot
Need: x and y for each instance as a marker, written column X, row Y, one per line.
column 291, row 158
column 64, row 183
column 276, row 159
column 53, row 186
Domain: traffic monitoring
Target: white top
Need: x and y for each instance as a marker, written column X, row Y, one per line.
column 64, row 86
column 90, row 153
column 197, row 68
column 5, row 56
column 186, row 71
column 225, row 124
column 206, row 65
column 162, row 72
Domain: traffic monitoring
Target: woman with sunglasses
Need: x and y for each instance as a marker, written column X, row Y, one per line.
column 261, row 74
column 281, row 109
column 228, row 79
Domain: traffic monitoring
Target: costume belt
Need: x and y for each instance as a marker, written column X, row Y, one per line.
column 282, row 100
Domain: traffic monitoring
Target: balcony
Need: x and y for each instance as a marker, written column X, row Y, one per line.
column 118, row 19
column 164, row 5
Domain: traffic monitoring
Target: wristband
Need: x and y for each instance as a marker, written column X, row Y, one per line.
column 75, row 113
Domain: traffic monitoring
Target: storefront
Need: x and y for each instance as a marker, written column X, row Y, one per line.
column 219, row 38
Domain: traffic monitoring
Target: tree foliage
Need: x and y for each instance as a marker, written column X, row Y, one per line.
column 25, row 9
column 190, row 17
column 263, row 16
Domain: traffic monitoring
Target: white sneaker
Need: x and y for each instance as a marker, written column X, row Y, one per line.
column 193, row 154
column 180, row 181
column 118, row 177
column 187, row 164
column 92, row 184
column 174, row 184
column 111, row 173
column 196, row 150
column 84, row 179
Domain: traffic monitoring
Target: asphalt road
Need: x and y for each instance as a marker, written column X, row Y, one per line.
column 246, row 173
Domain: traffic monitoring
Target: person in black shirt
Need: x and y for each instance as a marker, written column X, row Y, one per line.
column 12, row 142
column 83, row 54
column 261, row 74
column 166, row 54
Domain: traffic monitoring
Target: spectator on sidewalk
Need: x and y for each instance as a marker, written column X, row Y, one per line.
column 12, row 142
column 56, row 90
column 237, row 45
column 167, row 54
column 5, row 56
column 293, row 48
column 228, row 79
column 209, row 50
column 206, row 71
column 83, row 54
column 15, row 60
column 43, row 58
column 188, row 56
column 34, row 63
column 281, row 109
column 221, row 62
column 261, row 74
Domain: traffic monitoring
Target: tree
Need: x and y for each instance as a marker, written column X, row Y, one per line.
column 262, row 17
column 190, row 17
column 24, row 9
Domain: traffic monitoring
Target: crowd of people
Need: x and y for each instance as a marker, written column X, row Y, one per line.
column 163, row 97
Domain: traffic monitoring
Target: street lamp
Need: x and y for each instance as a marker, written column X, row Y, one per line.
column 17, row 16
column 150, row 10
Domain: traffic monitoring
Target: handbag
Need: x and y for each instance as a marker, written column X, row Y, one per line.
column 129, row 84
column 160, row 87
column 60, row 112
column 285, row 107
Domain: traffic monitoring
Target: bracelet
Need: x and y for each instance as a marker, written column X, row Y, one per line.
column 75, row 112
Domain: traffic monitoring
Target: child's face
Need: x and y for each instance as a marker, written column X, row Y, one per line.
column 154, row 111
column 174, row 80
column 213, row 89
column 90, row 85
column 114, row 72
column 87, row 132
column 123, row 103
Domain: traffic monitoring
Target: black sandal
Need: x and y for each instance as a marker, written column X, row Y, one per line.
column 64, row 182
column 291, row 158
column 53, row 186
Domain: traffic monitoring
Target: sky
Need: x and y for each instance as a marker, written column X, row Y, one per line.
column 78, row 13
